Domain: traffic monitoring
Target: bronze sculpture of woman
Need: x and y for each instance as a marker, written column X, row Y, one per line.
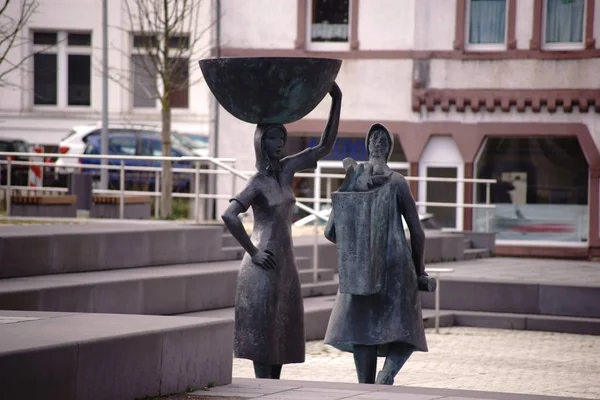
column 269, row 310
column 386, row 320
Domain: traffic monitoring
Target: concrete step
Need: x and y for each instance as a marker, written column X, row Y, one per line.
column 317, row 311
column 228, row 240
column 325, row 288
column 237, row 253
column 303, row 263
column 162, row 290
column 102, row 356
column 323, row 274
column 472, row 254
column 150, row 290
column 103, row 246
column 507, row 295
column 316, row 315
column 548, row 323
column 233, row 252
column 304, row 247
column 468, row 244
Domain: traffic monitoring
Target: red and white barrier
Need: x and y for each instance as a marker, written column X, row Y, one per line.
column 36, row 172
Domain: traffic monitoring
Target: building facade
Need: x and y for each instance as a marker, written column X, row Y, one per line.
column 500, row 89
column 59, row 84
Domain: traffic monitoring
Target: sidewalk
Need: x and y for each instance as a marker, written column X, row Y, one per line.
column 527, row 362
column 304, row 390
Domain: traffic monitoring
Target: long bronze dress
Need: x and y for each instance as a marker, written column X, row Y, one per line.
column 269, row 310
column 394, row 313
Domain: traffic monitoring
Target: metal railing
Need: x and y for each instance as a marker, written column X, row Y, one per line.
column 224, row 166
column 437, row 275
column 122, row 168
column 317, row 199
column 220, row 163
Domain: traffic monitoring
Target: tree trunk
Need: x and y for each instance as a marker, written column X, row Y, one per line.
column 167, row 172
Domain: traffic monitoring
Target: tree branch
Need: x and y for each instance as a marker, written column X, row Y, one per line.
column 161, row 22
column 10, row 29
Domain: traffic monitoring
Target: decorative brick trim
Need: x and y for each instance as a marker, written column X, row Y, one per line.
column 354, row 12
column 511, row 38
column 414, row 54
column 302, row 8
column 590, row 42
column 492, row 99
column 536, row 34
column 459, row 29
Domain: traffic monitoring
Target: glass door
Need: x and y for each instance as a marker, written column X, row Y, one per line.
column 442, row 159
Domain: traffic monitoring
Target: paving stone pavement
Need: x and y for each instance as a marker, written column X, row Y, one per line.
column 543, row 363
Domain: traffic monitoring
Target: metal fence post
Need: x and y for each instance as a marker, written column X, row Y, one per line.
column 157, row 194
column 317, row 206
column 197, row 192
column 487, row 210
column 437, row 274
column 122, row 191
column 233, row 193
column 8, row 183
column 437, row 303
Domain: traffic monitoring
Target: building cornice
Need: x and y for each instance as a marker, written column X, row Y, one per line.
column 490, row 100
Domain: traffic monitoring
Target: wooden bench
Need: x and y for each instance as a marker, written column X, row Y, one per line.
column 134, row 207
column 44, row 206
column 44, row 200
column 126, row 200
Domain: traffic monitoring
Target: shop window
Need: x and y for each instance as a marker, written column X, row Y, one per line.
column 541, row 192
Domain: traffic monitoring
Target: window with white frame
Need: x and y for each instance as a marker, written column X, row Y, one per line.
column 62, row 68
column 564, row 22
column 328, row 22
column 486, row 24
column 146, row 62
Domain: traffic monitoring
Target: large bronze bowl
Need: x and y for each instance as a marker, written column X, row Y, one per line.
column 270, row 89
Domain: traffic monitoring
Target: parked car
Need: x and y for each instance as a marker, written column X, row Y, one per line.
column 199, row 143
column 19, row 173
column 137, row 145
column 75, row 142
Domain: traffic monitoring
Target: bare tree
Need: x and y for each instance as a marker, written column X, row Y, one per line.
column 169, row 36
column 14, row 16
